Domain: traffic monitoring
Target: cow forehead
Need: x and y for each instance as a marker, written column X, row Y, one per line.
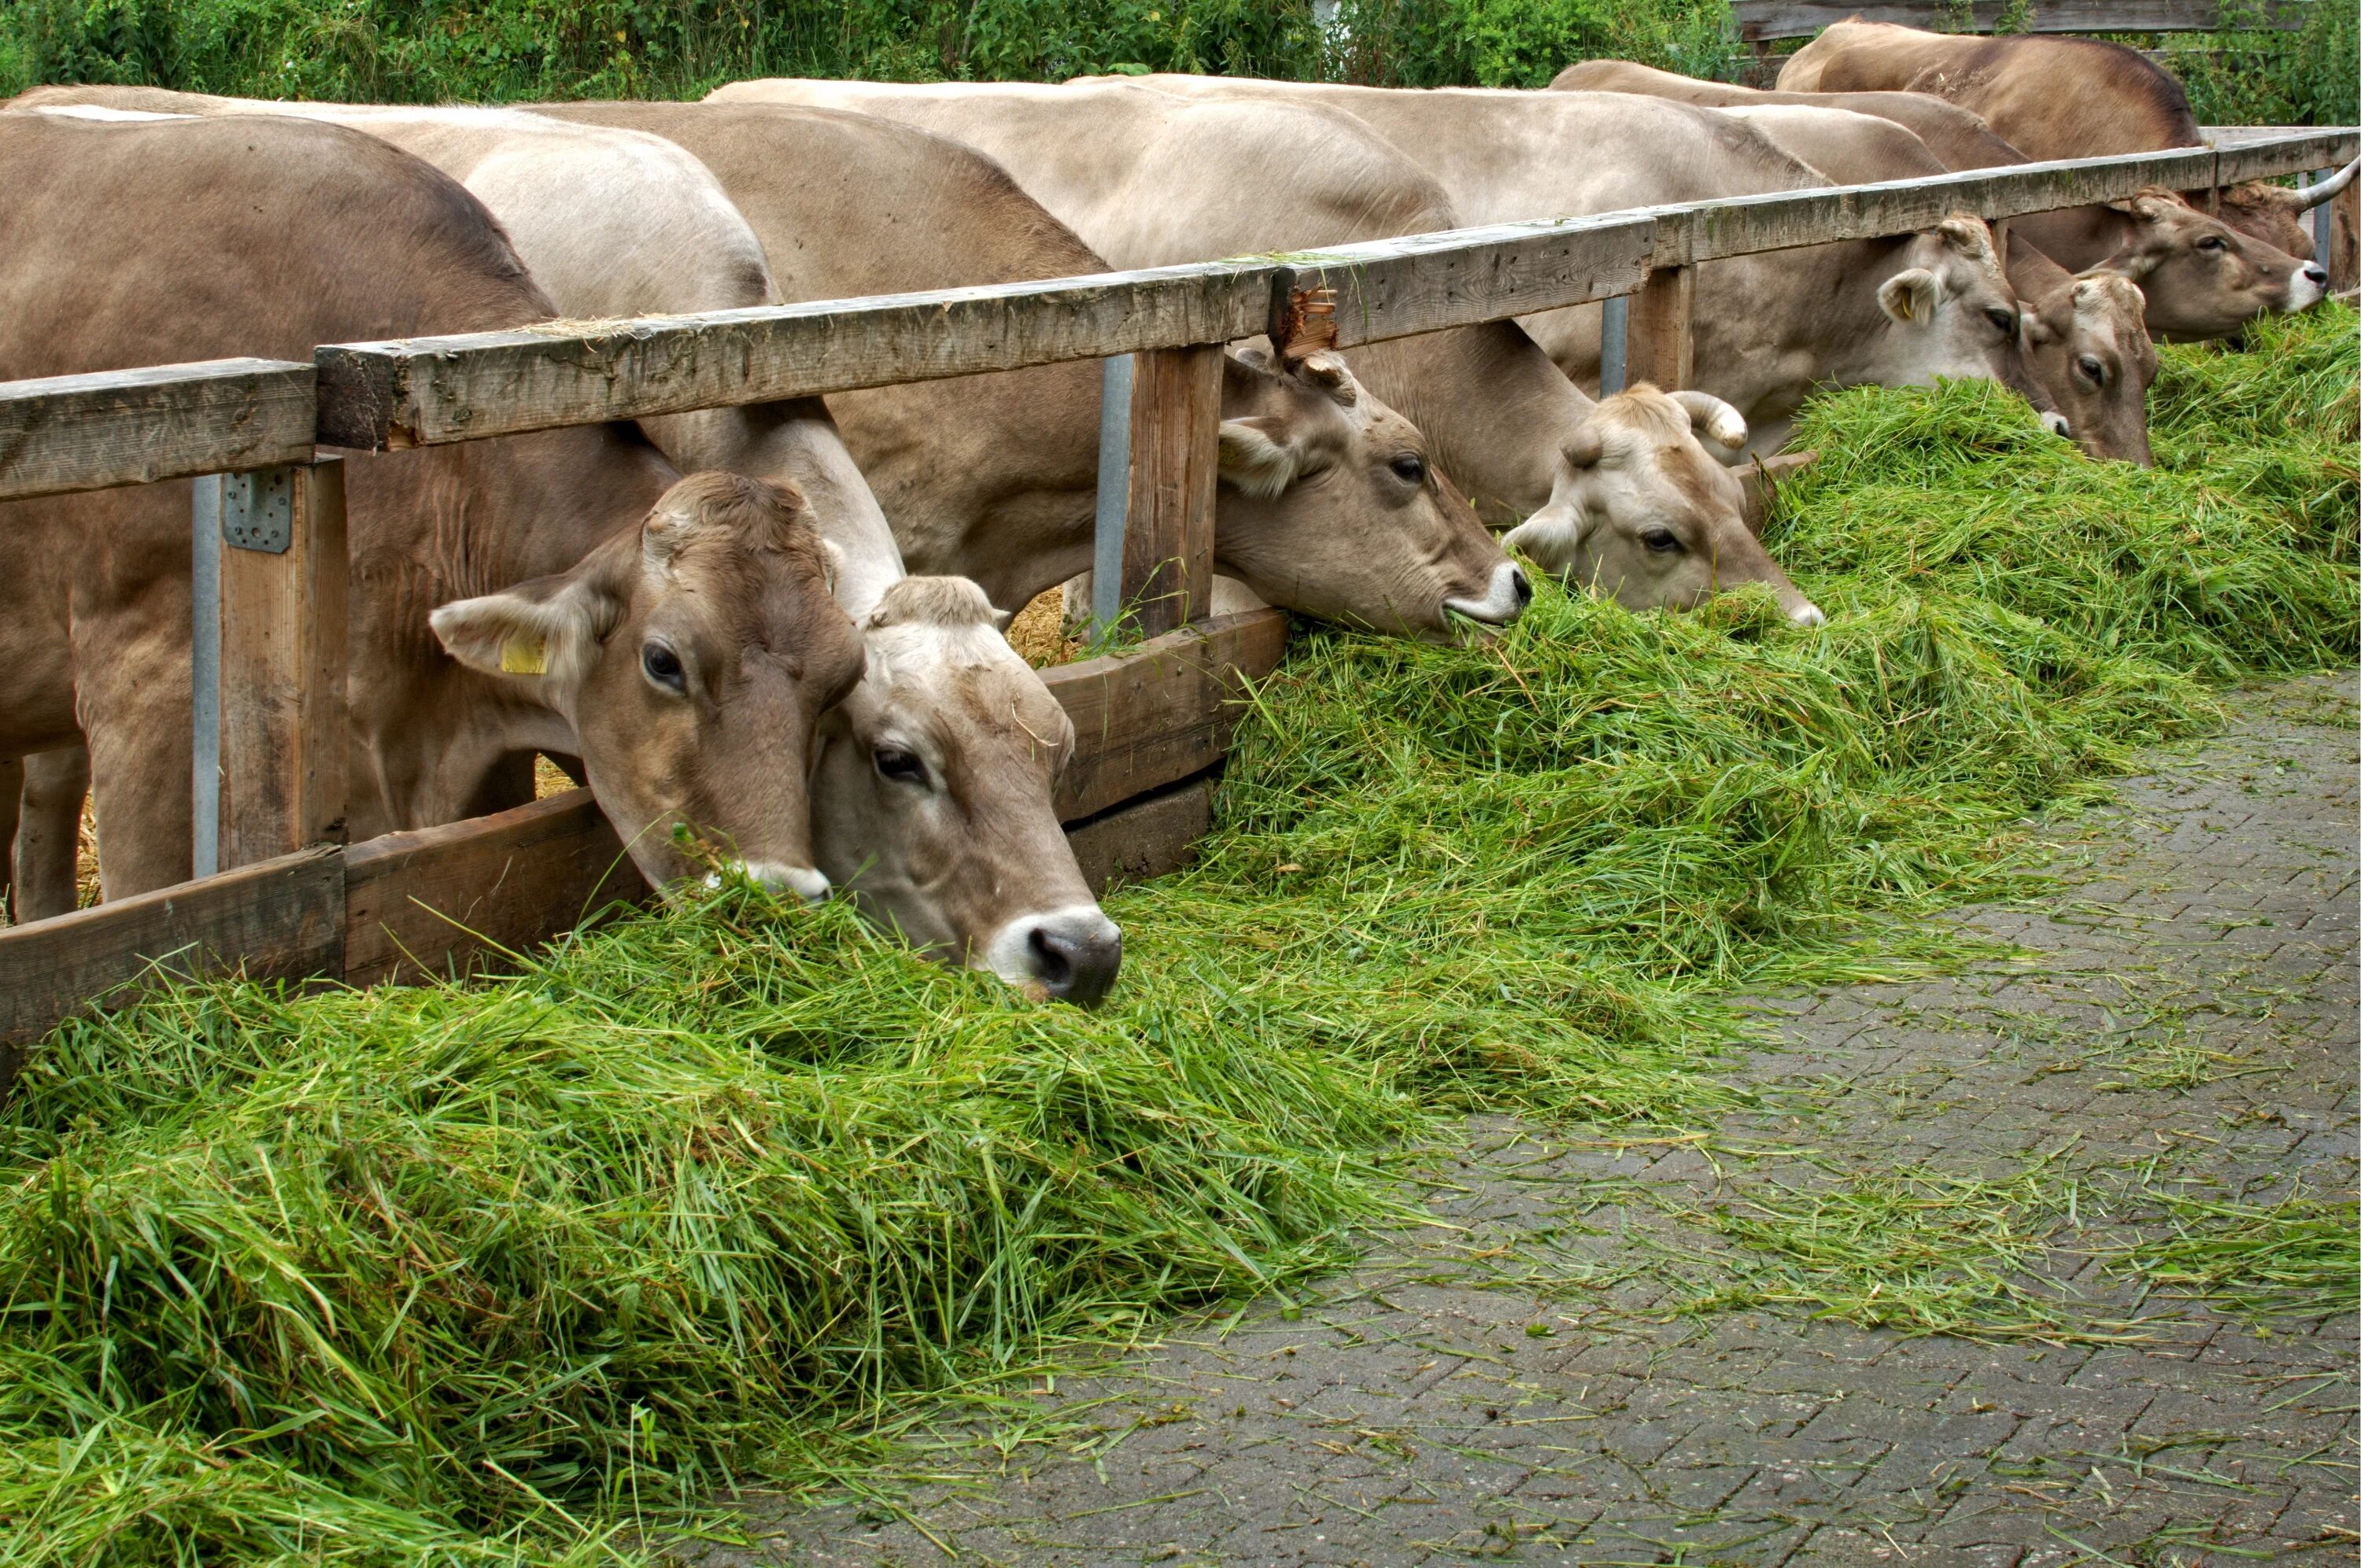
column 963, row 680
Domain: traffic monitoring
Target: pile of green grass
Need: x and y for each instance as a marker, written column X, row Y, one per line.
column 487, row 1273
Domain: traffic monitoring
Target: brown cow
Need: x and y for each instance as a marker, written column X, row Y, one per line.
column 1156, row 180
column 2049, row 97
column 676, row 634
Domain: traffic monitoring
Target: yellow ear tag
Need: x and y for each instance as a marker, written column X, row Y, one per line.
column 521, row 655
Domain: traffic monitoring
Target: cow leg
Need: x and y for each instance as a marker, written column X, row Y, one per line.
column 49, row 833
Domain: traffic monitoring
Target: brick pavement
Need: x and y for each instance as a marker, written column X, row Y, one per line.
column 1581, row 1362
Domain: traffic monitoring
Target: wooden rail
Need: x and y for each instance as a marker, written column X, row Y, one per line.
column 427, row 901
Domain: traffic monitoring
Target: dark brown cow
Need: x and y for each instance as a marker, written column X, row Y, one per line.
column 676, row 634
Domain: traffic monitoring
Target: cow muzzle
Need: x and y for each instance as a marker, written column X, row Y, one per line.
column 1071, row 954
column 803, row 881
column 1502, row 603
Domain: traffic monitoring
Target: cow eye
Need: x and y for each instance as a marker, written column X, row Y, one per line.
column 903, row 767
column 2001, row 320
column 1411, row 467
column 2211, row 242
column 1663, row 541
column 2092, row 371
column 663, row 666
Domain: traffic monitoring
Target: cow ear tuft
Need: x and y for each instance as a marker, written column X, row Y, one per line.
column 1252, row 461
column 1910, row 296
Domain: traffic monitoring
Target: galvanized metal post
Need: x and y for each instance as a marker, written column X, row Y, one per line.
column 1614, row 344
column 2324, row 220
column 204, row 674
column 1115, row 490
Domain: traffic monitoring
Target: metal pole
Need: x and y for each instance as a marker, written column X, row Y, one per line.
column 2323, row 222
column 1614, row 344
column 1115, row 490
column 204, row 674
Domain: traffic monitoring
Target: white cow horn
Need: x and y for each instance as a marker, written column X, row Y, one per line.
column 2327, row 189
column 1714, row 418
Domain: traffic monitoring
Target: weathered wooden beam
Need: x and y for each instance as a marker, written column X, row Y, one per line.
column 61, row 434
column 1780, row 220
column 441, row 900
column 1160, row 713
column 276, row 920
column 283, row 732
column 1394, row 288
column 425, row 391
column 1761, row 20
column 1142, row 838
column 1167, row 531
column 2267, row 159
column 1663, row 340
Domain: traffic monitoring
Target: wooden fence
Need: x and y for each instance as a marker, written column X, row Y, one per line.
column 274, row 894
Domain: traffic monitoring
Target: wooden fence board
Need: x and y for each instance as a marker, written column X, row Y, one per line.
column 2330, row 148
column 425, row 391
column 276, row 920
column 1760, row 20
column 438, row 900
column 1394, row 288
column 1706, row 231
column 61, row 434
column 1161, row 713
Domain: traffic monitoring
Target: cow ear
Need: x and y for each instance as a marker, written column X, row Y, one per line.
column 1910, row 295
column 547, row 630
column 1253, row 460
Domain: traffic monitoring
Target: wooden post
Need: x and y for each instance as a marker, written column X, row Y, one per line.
column 2343, row 228
column 1168, row 544
column 1663, row 349
column 275, row 753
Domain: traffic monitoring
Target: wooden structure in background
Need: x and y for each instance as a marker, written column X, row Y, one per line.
column 289, row 900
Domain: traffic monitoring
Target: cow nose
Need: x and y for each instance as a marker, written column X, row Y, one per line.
column 1808, row 614
column 2315, row 274
column 1072, row 954
column 1524, row 590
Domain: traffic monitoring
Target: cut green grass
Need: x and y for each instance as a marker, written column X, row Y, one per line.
column 492, row 1273
column 2298, row 1257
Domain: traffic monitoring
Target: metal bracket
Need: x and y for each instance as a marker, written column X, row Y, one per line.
column 258, row 510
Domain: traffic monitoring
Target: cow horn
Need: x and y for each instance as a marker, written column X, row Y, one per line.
column 1586, row 445
column 1708, row 415
column 2327, row 189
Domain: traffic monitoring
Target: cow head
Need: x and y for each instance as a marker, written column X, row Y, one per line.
column 1331, row 507
column 690, row 658
column 1951, row 313
column 2089, row 346
column 2201, row 278
column 1643, row 514
column 932, row 796
column 2274, row 213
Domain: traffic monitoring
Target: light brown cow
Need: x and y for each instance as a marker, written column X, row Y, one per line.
column 1326, row 506
column 1768, row 328
column 674, row 634
column 2050, row 97
column 2064, row 332
column 616, row 222
column 1620, row 494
